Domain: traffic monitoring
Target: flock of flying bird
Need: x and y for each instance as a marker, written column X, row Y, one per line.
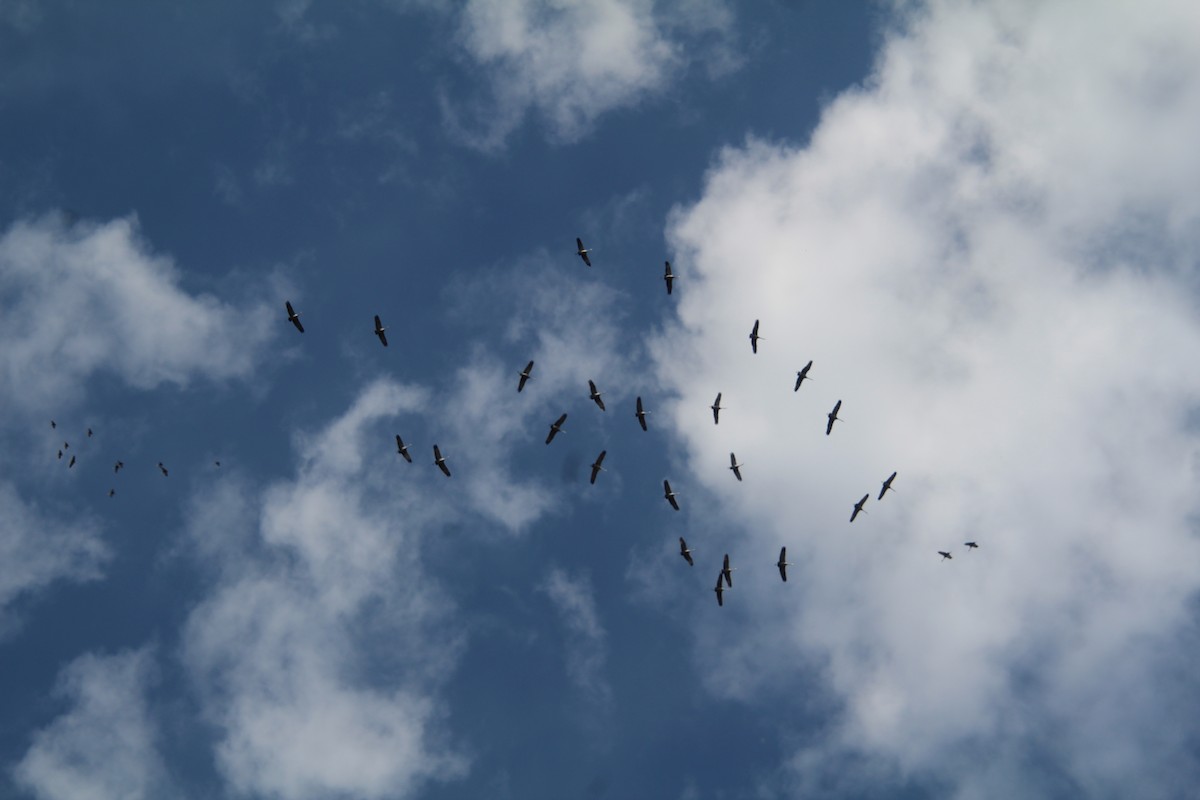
column 725, row 576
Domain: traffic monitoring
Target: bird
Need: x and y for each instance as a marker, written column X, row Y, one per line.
column 53, row 424
column 720, row 591
column 669, row 277
column 669, row 495
column 293, row 317
column 685, row 552
column 60, row 455
column 970, row 546
column 595, row 394
column 555, row 427
column 379, row 331
column 440, row 461
column 596, row 468
column 802, row 375
column 783, row 563
column 402, row 449
column 117, row 466
column 72, row 462
column 112, row 492
column 859, row 507
column 582, row 251
column 833, row 417
column 524, row 376
column 754, row 337
column 66, row 445
column 945, row 555
column 217, row 464
column 727, row 571
column 641, row 414
column 89, row 433
column 735, row 466
column 163, row 469
column 716, row 409
column 887, row 485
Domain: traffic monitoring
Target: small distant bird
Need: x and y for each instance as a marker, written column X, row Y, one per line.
column 802, row 375
column 944, row 555
column 89, row 433
column 117, row 466
column 727, row 571
column 216, row 463
column 716, row 409
column 858, row 507
column 72, row 463
column 555, row 427
column 596, row 468
column 402, row 449
column 685, row 552
column 524, row 376
column 669, row 277
column 379, row 331
column 754, row 337
column 582, row 251
column 112, row 492
column 720, row 591
column 595, row 394
column 887, row 485
column 293, row 317
column 53, row 424
column 60, row 455
column 833, row 417
column 440, row 461
column 670, row 495
column 970, row 546
column 641, row 414
column 735, row 466
column 66, row 445
column 162, row 469
column 782, row 563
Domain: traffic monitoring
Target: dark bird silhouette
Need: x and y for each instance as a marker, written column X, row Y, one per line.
column 595, row 394
column 669, row 277
column 89, row 433
column 670, row 495
column 641, row 414
column 524, row 376
column 782, row 563
column 440, row 461
column 72, row 462
column 555, row 427
column 217, row 464
column 970, row 546
column 735, row 466
column 117, row 466
column 162, row 469
column 719, row 590
column 60, row 455
column 53, row 424
column 402, row 449
column 380, row 331
column 802, row 375
column 716, row 409
column 66, row 445
column 944, row 555
column 727, row 571
column 833, row 417
column 112, row 492
column 596, row 468
column 754, row 337
column 685, row 552
column 293, row 317
column 582, row 251
column 858, row 507
column 886, row 486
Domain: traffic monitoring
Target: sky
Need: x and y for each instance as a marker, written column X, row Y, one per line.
column 978, row 221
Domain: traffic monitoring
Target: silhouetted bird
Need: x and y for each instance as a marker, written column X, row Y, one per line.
column 886, row 486
column 944, row 555
column 402, row 449
column 754, row 337
column 582, row 251
column 524, row 376
column 641, row 414
column 802, row 375
column 716, row 409
column 72, row 462
column 380, row 331
column 685, row 552
column 833, row 417
column 163, row 469
column 670, row 495
column 782, row 563
column 555, row 427
column 669, row 277
column 292, row 316
column 720, row 592
column 970, row 546
column 858, row 507
column 440, row 461
column 735, row 466
column 596, row 468
column 595, row 394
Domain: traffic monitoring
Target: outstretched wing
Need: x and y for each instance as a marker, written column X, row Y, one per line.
column 783, row 565
column 668, row 276
column 293, row 316
column 641, row 414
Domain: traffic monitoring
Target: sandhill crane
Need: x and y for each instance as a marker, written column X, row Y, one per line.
column 858, row 507
column 402, row 449
column 60, row 455
column 802, row 375
column 440, row 461
column 292, row 316
column 596, row 468
column 716, row 409
column 53, row 424
column 970, row 546
column 524, row 376
column 379, row 331
column 944, row 555
column 594, row 393
column 728, row 571
column 112, row 492
column 754, row 337
column 719, row 590
column 89, row 433
column 685, row 552
column 735, row 466
column 72, row 462
column 555, row 427
column 163, row 469
column 886, row 486
column 670, row 495
column 582, row 251
column 833, row 417
column 668, row 276
column 783, row 563
column 641, row 414
column 117, row 466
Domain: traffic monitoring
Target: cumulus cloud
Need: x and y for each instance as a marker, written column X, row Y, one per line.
column 585, row 647
column 105, row 745
column 988, row 251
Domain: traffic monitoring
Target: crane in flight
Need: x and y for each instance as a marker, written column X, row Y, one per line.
column 582, row 251
column 668, row 276
column 971, row 546
column 944, row 555
column 719, row 590
column 833, row 417
column 380, row 331
column 754, row 337
column 735, row 466
column 783, row 563
column 685, row 552
column 440, row 461
column 555, row 427
column 670, row 495
column 727, row 571
column 594, row 393
column 596, row 468
column 802, row 375
column 524, row 376
column 162, row 469
column 716, row 409
column 71, row 463
column 887, row 485
column 293, row 317
column 402, row 449
column 641, row 413
column 858, row 507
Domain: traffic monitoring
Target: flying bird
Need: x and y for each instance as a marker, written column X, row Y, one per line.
column 783, row 563
column 720, row 591
column 379, row 331
column 716, row 409
column 293, row 317
column 582, row 251
column 440, row 461
column 970, row 546
column 685, row 552
column 669, row 277
column 162, row 469
column 944, row 555
column 596, row 468
column 117, row 466
column 727, row 571
column 887, row 485
column 53, row 424
column 112, row 492
column 72, row 462
column 859, row 507
column 66, row 445
column 802, row 375
column 60, row 455
column 595, row 394
column 89, row 433
column 555, row 427
column 833, row 417
column 402, row 449
column 641, row 414
column 524, row 376
column 735, row 466
column 669, row 495
column 754, row 337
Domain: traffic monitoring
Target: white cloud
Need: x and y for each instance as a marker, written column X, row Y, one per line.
column 989, row 254
column 586, row 652
column 105, row 745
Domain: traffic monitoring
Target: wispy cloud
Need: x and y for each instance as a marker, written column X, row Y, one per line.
column 586, row 651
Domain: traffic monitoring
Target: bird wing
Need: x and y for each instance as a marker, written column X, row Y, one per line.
column 829, row 425
column 782, row 570
column 586, row 260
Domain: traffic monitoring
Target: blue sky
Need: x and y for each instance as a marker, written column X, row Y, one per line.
column 979, row 221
